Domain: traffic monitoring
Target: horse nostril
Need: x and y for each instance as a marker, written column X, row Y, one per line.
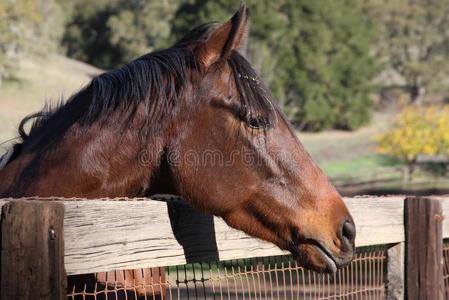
column 348, row 231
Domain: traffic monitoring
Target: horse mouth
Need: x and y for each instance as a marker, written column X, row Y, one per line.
column 327, row 258
column 327, row 262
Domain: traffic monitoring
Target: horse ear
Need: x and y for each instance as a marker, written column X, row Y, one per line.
column 224, row 39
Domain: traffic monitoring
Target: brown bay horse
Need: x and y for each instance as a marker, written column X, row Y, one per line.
column 153, row 125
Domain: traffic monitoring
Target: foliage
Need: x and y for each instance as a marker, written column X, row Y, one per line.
column 28, row 26
column 413, row 40
column 108, row 33
column 314, row 54
column 417, row 131
column 327, row 69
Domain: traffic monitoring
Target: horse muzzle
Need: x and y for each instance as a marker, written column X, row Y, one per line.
column 319, row 256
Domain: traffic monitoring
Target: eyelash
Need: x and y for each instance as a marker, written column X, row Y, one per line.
column 254, row 122
column 259, row 122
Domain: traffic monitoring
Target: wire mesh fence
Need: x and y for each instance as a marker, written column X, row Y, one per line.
column 277, row 277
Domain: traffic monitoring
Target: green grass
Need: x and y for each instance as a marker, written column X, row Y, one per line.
column 358, row 166
column 337, row 145
column 343, row 154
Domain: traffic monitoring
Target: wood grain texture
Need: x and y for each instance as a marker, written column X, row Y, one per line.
column 424, row 249
column 379, row 220
column 445, row 210
column 111, row 235
column 395, row 272
column 105, row 235
column 32, row 253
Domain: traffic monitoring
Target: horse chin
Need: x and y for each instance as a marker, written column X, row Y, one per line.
column 314, row 257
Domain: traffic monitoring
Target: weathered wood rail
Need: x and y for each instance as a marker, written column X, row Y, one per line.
column 114, row 234
column 104, row 235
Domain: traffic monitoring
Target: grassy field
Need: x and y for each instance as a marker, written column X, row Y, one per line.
column 351, row 160
column 341, row 152
column 38, row 81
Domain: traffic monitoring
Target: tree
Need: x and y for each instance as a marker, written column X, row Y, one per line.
column 267, row 26
column 109, row 33
column 314, row 55
column 327, row 68
column 413, row 40
column 417, row 131
column 28, row 27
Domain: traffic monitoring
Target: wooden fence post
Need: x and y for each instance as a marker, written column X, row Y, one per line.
column 424, row 249
column 32, row 251
column 395, row 272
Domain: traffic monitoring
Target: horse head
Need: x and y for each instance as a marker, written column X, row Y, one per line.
column 233, row 153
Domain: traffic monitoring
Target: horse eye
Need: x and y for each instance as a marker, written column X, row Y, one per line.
column 259, row 122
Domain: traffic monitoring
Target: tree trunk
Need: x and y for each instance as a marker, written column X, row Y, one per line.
column 408, row 173
column 417, row 94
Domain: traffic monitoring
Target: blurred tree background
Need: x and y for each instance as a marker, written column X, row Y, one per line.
column 413, row 40
column 109, row 33
column 417, row 131
column 319, row 57
column 314, row 54
column 348, row 65
column 28, row 26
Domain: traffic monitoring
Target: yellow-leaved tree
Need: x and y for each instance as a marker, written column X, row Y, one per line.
column 417, row 131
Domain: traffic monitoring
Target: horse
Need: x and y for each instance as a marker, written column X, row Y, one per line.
column 152, row 126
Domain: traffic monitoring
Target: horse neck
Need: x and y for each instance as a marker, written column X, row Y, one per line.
column 100, row 161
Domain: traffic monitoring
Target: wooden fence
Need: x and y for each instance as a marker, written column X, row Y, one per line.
column 43, row 240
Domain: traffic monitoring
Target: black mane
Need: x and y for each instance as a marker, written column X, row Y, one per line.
column 154, row 80
column 254, row 94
